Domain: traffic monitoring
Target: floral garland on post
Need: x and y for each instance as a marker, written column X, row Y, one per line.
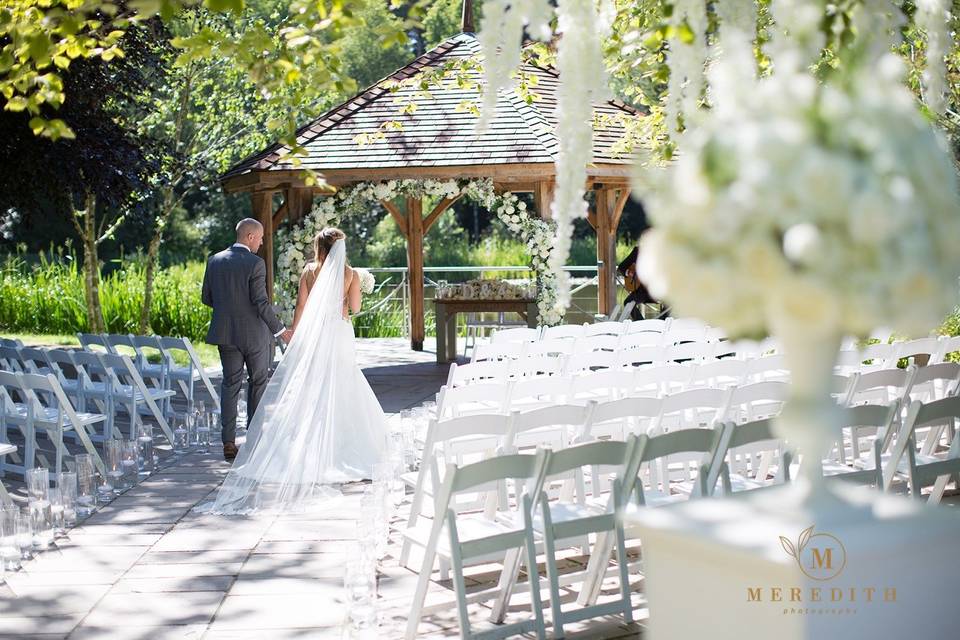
column 538, row 234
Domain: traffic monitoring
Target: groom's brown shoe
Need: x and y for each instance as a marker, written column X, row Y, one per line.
column 229, row 451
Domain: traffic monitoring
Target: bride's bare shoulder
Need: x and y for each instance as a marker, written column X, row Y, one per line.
column 348, row 273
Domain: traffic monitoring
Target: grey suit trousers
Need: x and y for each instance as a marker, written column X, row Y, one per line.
column 257, row 360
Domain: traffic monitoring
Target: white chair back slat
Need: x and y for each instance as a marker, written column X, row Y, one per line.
column 518, row 334
column 562, row 331
column 606, row 327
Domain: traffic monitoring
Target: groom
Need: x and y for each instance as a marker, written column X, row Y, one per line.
column 243, row 325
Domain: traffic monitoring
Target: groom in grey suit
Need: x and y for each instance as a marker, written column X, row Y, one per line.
column 244, row 324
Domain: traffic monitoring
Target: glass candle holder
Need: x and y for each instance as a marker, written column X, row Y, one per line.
column 86, row 485
column 146, row 457
column 9, row 548
column 25, row 534
column 38, row 483
column 56, row 512
column 114, row 465
column 41, row 518
column 130, row 461
column 203, row 433
column 67, row 482
column 181, row 435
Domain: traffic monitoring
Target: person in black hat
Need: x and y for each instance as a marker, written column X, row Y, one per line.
column 638, row 292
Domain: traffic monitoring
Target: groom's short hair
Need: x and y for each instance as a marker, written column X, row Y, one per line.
column 247, row 225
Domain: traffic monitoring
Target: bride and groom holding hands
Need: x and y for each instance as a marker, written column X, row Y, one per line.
column 316, row 421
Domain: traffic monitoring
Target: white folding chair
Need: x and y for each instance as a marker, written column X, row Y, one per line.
column 920, row 351
column 607, row 384
column 479, row 537
column 192, row 372
column 35, row 361
column 948, row 347
column 128, row 390
column 718, row 374
column 502, row 351
column 655, row 325
column 747, row 455
column 577, row 517
column 617, row 419
column 553, row 426
column 696, row 352
column 11, row 342
column 50, row 409
column 699, row 444
column 489, row 397
column 551, row 347
column 460, row 441
column 935, row 382
column 691, row 409
column 880, row 421
column 640, row 357
column 5, row 450
column 94, row 342
column 10, row 360
column 606, row 327
column 519, row 334
column 590, row 344
column 532, row 393
column 538, row 365
column 755, row 401
column 488, row 370
column 661, row 380
column 562, row 331
column 581, row 363
column 771, row 367
column 918, row 469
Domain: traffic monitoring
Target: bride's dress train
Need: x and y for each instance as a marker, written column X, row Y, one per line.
column 319, row 423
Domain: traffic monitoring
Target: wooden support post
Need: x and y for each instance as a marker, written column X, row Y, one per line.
column 263, row 211
column 414, row 220
column 606, row 252
column 543, row 198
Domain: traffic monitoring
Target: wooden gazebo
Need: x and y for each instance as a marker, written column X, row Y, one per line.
column 437, row 140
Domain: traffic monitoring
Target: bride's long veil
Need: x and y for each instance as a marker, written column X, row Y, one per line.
column 289, row 447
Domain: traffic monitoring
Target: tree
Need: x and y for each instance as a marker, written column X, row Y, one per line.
column 367, row 57
column 93, row 176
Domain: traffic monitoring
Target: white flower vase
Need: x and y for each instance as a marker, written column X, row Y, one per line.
column 810, row 418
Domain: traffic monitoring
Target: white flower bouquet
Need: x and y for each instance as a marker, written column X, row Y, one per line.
column 835, row 205
column 367, row 281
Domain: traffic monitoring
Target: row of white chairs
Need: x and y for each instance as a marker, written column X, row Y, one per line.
column 155, row 358
column 663, row 468
column 36, row 404
column 611, row 328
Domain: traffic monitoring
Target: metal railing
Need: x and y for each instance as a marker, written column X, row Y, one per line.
column 388, row 312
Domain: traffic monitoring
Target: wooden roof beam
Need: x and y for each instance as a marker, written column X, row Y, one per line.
column 442, row 206
column 398, row 217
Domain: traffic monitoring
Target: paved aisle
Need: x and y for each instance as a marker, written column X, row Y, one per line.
column 146, row 567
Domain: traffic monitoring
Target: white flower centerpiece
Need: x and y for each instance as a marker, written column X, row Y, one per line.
column 809, row 211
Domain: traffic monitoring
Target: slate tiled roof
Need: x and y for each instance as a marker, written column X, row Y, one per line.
column 437, row 134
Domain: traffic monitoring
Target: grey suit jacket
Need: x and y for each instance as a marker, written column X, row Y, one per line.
column 235, row 285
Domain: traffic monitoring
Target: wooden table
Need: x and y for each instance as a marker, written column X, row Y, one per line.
column 447, row 310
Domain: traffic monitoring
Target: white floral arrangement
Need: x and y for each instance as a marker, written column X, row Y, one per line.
column 833, row 204
column 367, row 281
column 538, row 234
column 484, row 288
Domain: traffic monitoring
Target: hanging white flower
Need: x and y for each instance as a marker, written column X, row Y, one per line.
column 933, row 17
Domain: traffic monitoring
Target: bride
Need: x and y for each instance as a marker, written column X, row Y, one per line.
column 319, row 423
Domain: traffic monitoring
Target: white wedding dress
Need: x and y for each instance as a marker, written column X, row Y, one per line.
column 318, row 424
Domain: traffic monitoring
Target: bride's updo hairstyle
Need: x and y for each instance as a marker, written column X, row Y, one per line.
column 324, row 242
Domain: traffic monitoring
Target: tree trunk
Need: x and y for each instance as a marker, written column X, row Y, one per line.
column 91, row 263
column 153, row 251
